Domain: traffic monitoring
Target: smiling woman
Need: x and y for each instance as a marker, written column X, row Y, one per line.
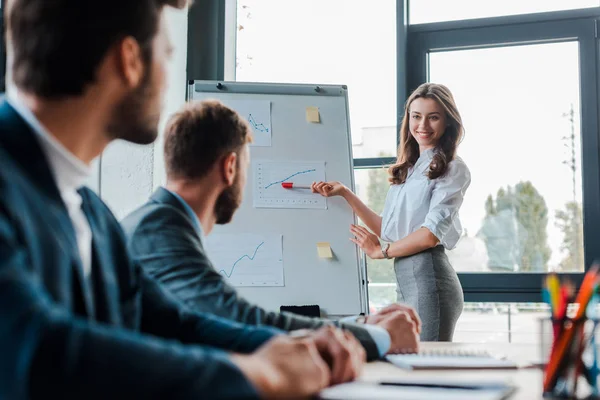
column 420, row 216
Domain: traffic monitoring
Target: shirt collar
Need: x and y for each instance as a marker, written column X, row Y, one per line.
column 191, row 214
column 425, row 157
column 69, row 171
column 427, row 153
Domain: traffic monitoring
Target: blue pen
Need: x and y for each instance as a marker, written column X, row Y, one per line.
column 546, row 298
column 594, row 370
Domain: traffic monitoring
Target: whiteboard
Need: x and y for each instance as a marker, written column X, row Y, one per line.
column 336, row 284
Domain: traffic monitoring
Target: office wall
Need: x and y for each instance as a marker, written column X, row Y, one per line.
column 129, row 173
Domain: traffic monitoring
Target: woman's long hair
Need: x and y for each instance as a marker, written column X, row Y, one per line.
column 445, row 150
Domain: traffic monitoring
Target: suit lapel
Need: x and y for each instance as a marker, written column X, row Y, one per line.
column 17, row 138
column 104, row 282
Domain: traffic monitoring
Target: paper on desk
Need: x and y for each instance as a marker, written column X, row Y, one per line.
column 374, row 391
column 453, row 381
column 418, row 361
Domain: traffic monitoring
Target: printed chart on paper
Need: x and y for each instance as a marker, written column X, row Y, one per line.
column 247, row 259
column 269, row 175
column 258, row 115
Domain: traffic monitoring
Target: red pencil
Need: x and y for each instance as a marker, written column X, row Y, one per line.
column 291, row 185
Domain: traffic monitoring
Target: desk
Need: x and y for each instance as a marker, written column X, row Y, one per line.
column 527, row 380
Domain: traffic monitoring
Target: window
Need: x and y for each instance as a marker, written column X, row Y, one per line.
column 527, row 91
column 330, row 42
column 521, row 83
column 425, row 11
column 371, row 187
column 501, row 323
column 546, row 68
column 520, row 108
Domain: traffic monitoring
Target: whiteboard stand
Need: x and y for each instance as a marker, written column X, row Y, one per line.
column 337, row 285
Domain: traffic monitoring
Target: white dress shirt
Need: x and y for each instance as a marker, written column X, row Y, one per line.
column 70, row 174
column 421, row 202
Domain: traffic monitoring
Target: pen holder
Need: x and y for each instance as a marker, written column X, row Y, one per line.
column 570, row 357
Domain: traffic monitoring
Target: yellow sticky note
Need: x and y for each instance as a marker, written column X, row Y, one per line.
column 324, row 250
column 312, row 115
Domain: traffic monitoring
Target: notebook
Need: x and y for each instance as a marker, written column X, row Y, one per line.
column 372, row 391
column 451, row 359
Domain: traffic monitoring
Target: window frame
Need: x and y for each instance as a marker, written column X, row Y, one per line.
column 550, row 27
column 510, row 18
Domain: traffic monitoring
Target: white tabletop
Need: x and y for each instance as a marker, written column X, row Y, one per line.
column 527, row 380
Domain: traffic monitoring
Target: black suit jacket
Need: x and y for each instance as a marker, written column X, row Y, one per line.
column 125, row 337
column 163, row 239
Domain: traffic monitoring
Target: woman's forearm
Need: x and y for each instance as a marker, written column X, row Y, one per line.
column 416, row 242
column 368, row 216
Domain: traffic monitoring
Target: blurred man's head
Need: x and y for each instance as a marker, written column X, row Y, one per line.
column 207, row 143
column 112, row 50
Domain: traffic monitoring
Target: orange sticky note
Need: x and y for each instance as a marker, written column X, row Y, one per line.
column 312, row 115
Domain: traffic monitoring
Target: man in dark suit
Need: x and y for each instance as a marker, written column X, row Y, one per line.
column 78, row 318
column 206, row 156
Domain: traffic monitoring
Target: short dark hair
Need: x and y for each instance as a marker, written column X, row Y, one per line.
column 58, row 45
column 199, row 135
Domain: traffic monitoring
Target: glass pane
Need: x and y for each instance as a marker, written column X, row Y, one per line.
column 381, row 294
column 483, row 322
column 520, row 108
column 371, row 185
column 327, row 42
column 424, row 11
column 488, row 323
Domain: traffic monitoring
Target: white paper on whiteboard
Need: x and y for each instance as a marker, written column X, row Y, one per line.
column 269, row 175
column 258, row 115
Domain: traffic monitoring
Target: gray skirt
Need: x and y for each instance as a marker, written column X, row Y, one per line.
column 427, row 282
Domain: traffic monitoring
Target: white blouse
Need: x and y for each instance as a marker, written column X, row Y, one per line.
column 421, row 202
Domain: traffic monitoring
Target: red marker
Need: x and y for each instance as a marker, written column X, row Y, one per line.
column 291, row 185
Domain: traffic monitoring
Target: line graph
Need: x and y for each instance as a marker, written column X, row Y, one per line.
column 258, row 115
column 257, row 125
column 247, row 259
column 289, row 177
column 267, row 190
column 251, row 258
